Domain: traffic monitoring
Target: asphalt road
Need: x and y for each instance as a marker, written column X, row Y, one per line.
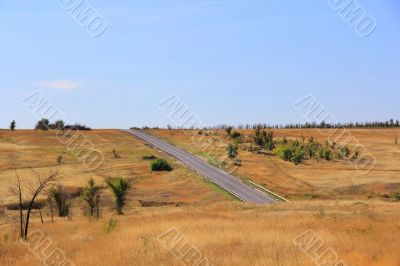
column 214, row 174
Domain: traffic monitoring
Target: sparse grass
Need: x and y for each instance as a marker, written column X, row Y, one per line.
column 222, row 191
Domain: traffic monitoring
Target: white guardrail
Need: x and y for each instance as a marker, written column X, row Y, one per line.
column 269, row 191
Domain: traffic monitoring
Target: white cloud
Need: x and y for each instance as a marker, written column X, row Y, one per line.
column 64, row 85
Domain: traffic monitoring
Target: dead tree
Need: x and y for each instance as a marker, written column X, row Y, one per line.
column 40, row 185
column 34, row 189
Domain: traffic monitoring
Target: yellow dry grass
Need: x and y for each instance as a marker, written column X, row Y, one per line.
column 360, row 233
column 328, row 180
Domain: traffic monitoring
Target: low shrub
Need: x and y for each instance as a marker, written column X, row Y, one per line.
column 297, row 156
column 160, row 165
column 284, row 152
column 396, row 196
column 119, row 187
column 77, row 126
column 292, row 153
column 149, row 157
column 236, row 135
column 116, row 154
column 232, row 150
column 61, row 198
column 326, row 154
column 345, row 152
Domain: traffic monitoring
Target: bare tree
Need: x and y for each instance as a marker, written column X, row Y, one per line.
column 34, row 190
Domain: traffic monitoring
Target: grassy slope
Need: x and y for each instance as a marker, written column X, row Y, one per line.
column 326, row 179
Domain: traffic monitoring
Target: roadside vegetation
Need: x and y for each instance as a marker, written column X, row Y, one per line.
column 296, row 150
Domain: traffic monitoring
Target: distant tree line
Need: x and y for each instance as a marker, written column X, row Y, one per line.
column 376, row 124
column 44, row 124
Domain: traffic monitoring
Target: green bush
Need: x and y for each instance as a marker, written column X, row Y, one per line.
column 91, row 195
column 284, row 152
column 312, row 149
column 345, row 152
column 264, row 139
column 326, row 154
column 236, row 135
column 119, row 187
column 61, row 199
column 297, row 156
column 291, row 153
column 232, row 150
column 42, row 124
column 160, row 165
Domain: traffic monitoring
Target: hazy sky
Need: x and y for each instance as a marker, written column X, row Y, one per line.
column 230, row 61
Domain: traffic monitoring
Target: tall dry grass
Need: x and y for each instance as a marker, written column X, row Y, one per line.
column 361, row 233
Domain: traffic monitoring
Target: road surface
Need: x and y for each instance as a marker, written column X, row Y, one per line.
column 214, row 174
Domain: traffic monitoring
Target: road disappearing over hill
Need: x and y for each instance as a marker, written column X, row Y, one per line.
column 214, row 174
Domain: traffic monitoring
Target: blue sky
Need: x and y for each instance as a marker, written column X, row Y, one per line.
column 230, row 61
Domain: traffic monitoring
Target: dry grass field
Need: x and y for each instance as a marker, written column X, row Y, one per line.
column 360, row 230
column 322, row 179
column 360, row 233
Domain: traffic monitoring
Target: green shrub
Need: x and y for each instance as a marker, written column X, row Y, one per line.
column 160, row 165
column 119, row 187
column 236, row 135
column 61, row 199
column 232, row 150
column 264, row 139
column 59, row 125
column 291, row 152
column 345, row 152
column 326, row 154
column 284, row 152
column 42, row 124
column 311, row 150
column 297, row 156
column 91, row 196
column 228, row 130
